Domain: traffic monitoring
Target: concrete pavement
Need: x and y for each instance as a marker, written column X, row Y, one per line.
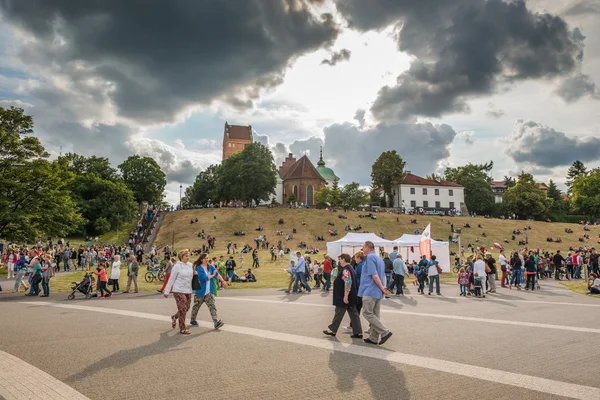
column 511, row 345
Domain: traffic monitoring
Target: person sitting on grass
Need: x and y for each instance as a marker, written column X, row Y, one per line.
column 594, row 284
column 248, row 277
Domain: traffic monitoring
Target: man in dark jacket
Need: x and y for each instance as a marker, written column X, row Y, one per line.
column 345, row 298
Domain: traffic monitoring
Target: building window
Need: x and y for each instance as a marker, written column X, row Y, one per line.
column 437, row 204
column 309, row 195
column 425, row 203
column 424, row 191
column 437, row 192
column 413, row 203
column 450, row 192
column 412, row 190
column 451, row 204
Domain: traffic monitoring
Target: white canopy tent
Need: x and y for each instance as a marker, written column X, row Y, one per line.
column 353, row 242
column 440, row 250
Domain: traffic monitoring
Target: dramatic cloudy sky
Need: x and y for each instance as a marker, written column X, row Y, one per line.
column 443, row 82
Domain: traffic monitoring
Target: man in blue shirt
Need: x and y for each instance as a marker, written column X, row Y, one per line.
column 300, row 271
column 372, row 291
column 400, row 271
column 394, row 253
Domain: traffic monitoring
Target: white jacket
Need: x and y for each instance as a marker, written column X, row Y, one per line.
column 479, row 268
column 180, row 280
column 115, row 271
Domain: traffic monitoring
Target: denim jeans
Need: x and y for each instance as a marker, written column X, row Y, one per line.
column 436, row 279
column 46, row 286
column 463, row 289
column 301, row 277
column 577, row 272
column 399, row 283
column 515, row 281
column 327, row 284
column 388, row 279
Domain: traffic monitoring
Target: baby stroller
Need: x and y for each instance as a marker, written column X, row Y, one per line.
column 86, row 286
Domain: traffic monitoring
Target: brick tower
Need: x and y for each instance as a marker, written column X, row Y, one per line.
column 235, row 138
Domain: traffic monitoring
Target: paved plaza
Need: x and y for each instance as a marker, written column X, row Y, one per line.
column 512, row 345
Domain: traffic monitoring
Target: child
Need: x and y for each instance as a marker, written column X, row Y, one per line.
column 463, row 280
column 477, row 285
column 241, row 260
column 103, row 280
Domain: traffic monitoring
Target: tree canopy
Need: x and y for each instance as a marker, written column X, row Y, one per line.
column 526, row 199
column 145, row 179
column 479, row 196
column 205, row 187
column 353, row 196
column 34, row 195
column 586, row 193
column 575, row 170
column 386, row 171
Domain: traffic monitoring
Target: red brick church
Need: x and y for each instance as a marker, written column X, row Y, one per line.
column 297, row 177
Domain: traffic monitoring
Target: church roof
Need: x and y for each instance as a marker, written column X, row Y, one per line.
column 238, row 132
column 302, row 168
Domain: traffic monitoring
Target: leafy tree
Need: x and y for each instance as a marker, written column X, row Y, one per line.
column 98, row 198
column 34, row 195
column 292, row 198
column 248, row 175
column 586, row 193
column 509, row 181
column 387, row 171
column 526, row 199
column 145, row 178
column 558, row 204
column 479, row 196
column 327, row 197
column 353, row 196
column 575, row 170
column 205, row 187
column 434, row 177
column 86, row 165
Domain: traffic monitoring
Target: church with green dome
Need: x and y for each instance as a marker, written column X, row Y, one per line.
column 326, row 173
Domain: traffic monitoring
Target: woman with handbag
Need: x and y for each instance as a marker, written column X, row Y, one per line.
column 205, row 294
column 180, row 283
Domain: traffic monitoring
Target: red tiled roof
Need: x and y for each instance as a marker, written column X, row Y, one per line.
column 499, row 184
column 239, row 132
column 411, row 179
column 302, row 168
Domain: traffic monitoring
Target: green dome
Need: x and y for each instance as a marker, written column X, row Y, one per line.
column 326, row 173
column 279, row 180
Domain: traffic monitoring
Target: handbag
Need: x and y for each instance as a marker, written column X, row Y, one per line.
column 196, row 283
column 487, row 269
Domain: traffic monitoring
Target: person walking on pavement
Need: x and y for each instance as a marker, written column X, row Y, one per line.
column 345, row 299
column 168, row 269
column 479, row 269
column 491, row 276
column 21, row 269
column 180, row 283
column 372, row 291
column 400, row 272
column 503, row 268
column 433, row 271
column 389, row 270
column 132, row 273
column 300, row 272
column 558, row 263
column 206, row 273
column 115, row 273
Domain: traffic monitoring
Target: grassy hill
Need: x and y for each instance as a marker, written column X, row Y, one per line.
column 222, row 223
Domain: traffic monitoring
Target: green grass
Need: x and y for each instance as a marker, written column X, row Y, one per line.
column 113, row 237
column 579, row 286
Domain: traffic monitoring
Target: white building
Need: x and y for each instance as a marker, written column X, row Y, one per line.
column 429, row 196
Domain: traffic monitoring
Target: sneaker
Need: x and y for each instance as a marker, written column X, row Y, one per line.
column 219, row 324
column 346, row 329
column 193, row 323
column 100, row 297
column 110, row 294
column 385, row 338
column 368, row 331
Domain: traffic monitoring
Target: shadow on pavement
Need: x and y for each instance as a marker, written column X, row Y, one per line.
column 123, row 358
column 384, row 379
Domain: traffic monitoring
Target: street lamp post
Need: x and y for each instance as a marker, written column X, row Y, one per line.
column 180, row 190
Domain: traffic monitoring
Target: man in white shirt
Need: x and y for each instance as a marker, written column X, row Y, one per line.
column 479, row 268
column 503, row 268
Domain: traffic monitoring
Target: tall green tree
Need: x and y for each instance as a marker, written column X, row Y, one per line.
column 248, row 175
column 205, row 187
column 526, row 199
column 328, row 197
column 586, row 193
column 434, row 177
column 387, row 171
column 509, row 181
column 34, row 195
column 353, row 196
column 145, row 179
column 479, row 196
column 575, row 170
column 558, row 204
column 82, row 165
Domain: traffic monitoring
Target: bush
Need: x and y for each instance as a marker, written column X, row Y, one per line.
column 101, row 225
column 568, row 218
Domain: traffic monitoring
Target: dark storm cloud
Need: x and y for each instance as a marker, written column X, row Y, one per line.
column 342, row 55
column 575, row 87
column 185, row 172
column 464, row 49
column 535, row 144
column 153, row 59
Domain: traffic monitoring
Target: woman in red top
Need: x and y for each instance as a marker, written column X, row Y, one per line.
column 103, row 280
column 327, row 273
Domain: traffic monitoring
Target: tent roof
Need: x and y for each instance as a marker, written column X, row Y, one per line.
column 413, row 240
column 360, row 238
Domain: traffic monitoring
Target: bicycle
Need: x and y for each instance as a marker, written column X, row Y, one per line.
column 155, row 273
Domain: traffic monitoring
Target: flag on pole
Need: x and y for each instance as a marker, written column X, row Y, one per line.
column 425, row 242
